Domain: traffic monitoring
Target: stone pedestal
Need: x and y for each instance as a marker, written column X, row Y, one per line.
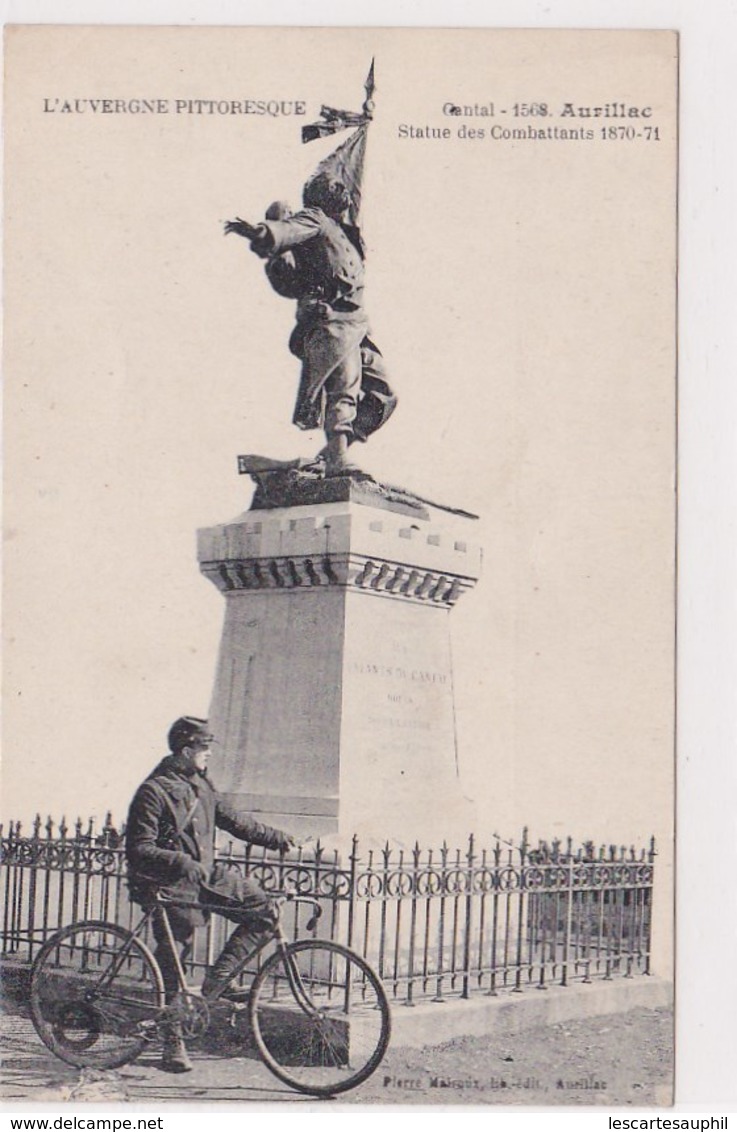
column 333, row 700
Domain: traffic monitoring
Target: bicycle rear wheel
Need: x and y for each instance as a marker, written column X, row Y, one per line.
column 320, row 1017
column 95, row 994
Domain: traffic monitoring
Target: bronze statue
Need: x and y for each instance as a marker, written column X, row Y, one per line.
column 316, row 256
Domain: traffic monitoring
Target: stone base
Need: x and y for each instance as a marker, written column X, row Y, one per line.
column 333, row 700
column 431, row 1023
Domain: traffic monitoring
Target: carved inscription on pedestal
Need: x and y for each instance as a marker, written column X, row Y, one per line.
column 398, row 694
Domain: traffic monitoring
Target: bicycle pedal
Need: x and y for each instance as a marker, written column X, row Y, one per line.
column 236, row 1010
column 148, row 1031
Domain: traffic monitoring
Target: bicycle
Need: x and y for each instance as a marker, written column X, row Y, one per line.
column 318, row 1012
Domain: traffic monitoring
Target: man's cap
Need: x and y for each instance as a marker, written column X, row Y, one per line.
column 185, row 729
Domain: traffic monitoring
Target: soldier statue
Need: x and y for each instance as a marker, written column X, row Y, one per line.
column 316, row 256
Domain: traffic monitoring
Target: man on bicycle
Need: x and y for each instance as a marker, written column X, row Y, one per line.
column 170, row 850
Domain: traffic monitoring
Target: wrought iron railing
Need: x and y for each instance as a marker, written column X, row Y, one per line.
column 434, row 924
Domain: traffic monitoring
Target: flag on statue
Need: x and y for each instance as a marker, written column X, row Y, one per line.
column 345, row 164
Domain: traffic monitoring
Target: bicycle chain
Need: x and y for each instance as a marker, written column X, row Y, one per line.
column 191, row 1013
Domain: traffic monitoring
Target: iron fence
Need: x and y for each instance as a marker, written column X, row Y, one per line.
column 434, row 924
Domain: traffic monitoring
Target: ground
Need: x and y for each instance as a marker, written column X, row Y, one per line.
column 612, row 1060
column 615, row 1059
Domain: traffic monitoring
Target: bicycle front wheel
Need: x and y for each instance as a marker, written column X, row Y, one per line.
column 96, row 991
column 320, row 1017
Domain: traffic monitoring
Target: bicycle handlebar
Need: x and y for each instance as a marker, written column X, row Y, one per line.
column 290, row 895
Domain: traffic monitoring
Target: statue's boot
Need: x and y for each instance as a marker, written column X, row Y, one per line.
column 336, row 456
column 243, row 941
column 314, row 465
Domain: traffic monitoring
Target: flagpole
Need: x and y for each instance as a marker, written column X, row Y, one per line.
column 369, row 86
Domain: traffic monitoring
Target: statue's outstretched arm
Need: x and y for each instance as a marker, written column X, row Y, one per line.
column 243, row 228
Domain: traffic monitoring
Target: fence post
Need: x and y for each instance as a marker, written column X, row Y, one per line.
column 520, row 912
column 7, row 856
column 470, row 857
column 397, row 921
column 412, row 926
column 569, row 913
column 438, row 996
column 353, row 860
column 76, row 868
column 383, row 917
column 369, row 876
column 585, row 913
column 652, row 854
column 32, row 885
column 17, row 898
column 497, row 852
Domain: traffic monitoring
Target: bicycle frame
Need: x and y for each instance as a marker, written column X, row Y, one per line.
column 277, row 936
column 296, row 983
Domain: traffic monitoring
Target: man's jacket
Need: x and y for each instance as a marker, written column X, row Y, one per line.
column 172, row 819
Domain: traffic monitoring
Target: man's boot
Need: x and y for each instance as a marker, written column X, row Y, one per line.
column 242, row 941
column 174, row 1056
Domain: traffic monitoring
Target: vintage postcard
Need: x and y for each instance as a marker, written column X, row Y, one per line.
column 339, row 572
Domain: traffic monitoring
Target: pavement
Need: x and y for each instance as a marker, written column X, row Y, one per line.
column 31, row 1073
column 625, row 1058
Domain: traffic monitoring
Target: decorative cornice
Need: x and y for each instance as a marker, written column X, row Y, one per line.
column 355, row 572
